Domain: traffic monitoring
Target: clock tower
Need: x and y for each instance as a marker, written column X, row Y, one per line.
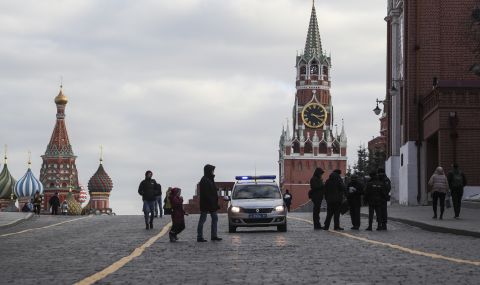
column 314, row 140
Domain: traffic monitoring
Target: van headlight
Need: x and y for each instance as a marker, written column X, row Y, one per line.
column 279, row 208
column 235, row 209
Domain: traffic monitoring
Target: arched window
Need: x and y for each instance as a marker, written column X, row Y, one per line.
column 308, row 147
column 322, row 148
column 296, row 147
column 336, row 147
column 325, row 72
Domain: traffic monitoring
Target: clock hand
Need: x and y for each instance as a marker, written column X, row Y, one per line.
column 318, row 117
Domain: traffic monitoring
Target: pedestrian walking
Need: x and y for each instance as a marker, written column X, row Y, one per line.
column 354, row 196
column 37, row 203
column 439, row 188
column 54, row 203
column 316, row 193
column 375, row 197
column 208, row 203
column 178, row 214
column 149, row 189
column 287, row 199
column 26, row 208
column 334, row 194
column 167, row 206
column 64, row 207
column 388, row 186
column 456, row 182
column 158, row 205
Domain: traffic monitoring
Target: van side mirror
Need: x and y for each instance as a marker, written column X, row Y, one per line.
column 226, row 198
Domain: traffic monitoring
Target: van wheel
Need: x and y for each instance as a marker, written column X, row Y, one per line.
column 282, row 228
column 232, row 229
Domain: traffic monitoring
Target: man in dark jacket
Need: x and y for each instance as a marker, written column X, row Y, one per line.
column 149, row 189
column 354, row 197
column 287, row 198
column 375, row 197
column 54, row 202
column 334, row 193
column 388, row 186
column 208, row 203
column 316, row 193
column 456, row 182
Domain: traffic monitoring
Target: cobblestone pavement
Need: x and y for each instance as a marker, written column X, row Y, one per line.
column 73, row 251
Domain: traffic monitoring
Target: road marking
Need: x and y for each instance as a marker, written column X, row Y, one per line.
column 45, row 227
column 123, row 261
column 398, row 247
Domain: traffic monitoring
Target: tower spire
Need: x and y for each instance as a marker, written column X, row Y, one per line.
column 5, row 148
column 313, row 44
column 29, row 159
column 101, row 154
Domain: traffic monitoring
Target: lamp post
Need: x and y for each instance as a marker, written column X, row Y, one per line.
column 377, row 109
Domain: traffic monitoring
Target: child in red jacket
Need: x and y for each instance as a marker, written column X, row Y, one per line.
column 178, row 214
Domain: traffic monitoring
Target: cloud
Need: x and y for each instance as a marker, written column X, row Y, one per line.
column 172, row 85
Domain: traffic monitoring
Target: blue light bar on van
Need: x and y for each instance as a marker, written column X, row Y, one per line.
column 261, row 177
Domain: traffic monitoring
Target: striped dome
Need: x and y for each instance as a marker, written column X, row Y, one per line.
column 28, row 185
column 7, row 183
column 100, row 181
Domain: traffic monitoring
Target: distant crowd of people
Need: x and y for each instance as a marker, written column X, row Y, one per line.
column 375, row 189
column 35, row 204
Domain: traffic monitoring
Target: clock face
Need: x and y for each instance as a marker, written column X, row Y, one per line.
column 314, row 115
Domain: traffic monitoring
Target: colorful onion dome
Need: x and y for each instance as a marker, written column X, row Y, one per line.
column 28, row 185
column 7, row 183
column 61, row 99
column 83, row 195
column 100, row 181
column 74, row 207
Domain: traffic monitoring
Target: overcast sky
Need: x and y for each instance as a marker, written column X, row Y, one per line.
column 172, row 85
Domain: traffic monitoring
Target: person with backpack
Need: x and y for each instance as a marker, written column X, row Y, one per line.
column 287, row 198
column 316, row 193
column 54, row 202
column 439, row 184
column 388, row 186
column 149, row 189
column 354, row 198
column 375, row 197
column 178, row 214
column 456, row 182
column 334, row 194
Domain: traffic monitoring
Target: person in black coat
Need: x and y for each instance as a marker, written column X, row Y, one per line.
column 456, row 182
column 149, row 189
column 54, row 202
column 334, row 193
column 354, row 197
column 316, row 193
column 375, row 197
column 208, row 203
column 388, row 186
column 287, row 198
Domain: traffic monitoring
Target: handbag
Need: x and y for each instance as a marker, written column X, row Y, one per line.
column 344, row 207
column 448, row 200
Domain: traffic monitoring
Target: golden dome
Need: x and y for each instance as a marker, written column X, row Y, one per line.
column 61, row 99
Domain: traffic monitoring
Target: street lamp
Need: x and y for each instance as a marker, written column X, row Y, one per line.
column 377, row 109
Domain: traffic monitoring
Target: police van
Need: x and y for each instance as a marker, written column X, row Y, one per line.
column 256, row 201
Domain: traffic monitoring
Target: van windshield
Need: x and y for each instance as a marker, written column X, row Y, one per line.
column 256, row 191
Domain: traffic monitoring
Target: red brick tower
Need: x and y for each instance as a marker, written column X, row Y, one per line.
column 313, row 142
column 59, row 172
